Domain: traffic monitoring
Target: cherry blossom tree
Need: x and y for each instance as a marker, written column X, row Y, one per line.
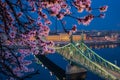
column 24, row 24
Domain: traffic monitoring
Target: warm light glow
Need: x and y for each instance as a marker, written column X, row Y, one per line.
column 64, row 37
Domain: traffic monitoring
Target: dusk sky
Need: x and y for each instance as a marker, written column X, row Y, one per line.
column 110, row 22
column 112, row 18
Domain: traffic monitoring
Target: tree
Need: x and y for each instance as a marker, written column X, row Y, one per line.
column 24, row 25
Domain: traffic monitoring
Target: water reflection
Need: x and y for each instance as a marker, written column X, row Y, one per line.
column 103, row 46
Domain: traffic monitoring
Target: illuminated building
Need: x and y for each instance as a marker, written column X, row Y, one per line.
column 64, row 37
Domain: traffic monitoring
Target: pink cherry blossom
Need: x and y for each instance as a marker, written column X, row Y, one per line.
column 103, row 8
column 60, row 16
column 19, row 14
column 26, row 23
column 47, row 22
column 36, row 52
column 74, row 28
column 12, row 34
column 55, row 9
column 102, row 15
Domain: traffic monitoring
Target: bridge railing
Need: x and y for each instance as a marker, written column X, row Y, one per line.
column 96, row 58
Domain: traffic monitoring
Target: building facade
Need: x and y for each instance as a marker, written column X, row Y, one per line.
column 64, row 37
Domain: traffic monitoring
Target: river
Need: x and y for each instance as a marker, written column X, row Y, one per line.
column 110, row 54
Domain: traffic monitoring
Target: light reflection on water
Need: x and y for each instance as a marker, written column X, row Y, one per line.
column 104, row 46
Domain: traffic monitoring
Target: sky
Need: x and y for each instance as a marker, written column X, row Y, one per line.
column 110, row 22
column 112, row 18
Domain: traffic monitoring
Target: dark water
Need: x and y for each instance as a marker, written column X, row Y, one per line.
column 110, row 54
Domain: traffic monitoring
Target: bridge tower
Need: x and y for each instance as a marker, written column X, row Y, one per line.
column 73, row 72
column 82, row 37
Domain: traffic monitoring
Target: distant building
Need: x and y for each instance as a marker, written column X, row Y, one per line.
column 64, row 37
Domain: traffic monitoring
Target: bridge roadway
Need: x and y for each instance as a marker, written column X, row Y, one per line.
column 80, row 54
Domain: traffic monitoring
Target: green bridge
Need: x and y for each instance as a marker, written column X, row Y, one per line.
column 79, row 54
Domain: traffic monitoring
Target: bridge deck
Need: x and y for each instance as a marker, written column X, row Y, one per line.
column 117, row 75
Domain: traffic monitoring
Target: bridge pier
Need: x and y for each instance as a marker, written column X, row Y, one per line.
column 74, row 72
